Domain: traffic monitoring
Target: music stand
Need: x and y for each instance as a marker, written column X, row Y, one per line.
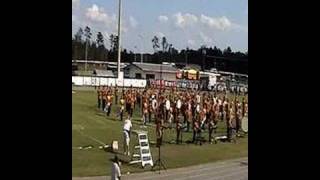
column 159, row 162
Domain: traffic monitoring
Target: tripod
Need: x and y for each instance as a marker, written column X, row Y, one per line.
column 158, row 161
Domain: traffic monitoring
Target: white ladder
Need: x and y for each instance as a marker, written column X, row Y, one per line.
column 144, row 155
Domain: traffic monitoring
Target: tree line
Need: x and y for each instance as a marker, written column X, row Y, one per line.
column 85, row 45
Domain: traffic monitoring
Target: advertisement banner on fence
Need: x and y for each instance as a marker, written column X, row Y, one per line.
column 102, row 81
column 162, row 83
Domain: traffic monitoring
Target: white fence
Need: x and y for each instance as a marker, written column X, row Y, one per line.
column 97, row 81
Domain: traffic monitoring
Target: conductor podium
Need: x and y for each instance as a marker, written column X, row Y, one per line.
column 142, row 150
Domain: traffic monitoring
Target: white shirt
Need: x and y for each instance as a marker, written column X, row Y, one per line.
column 115, row 171
column 215, row 100
column 167, row 104
column 198, row 108
column 127, row 125
column 225, row 103
column 154, row 104
column 198, row 98
column 178, row 104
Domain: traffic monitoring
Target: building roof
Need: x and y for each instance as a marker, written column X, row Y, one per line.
column 115, row 66
column 90, row 62
column 100, row 62
column 231, row 73
column 103, row 73
column 155, row 67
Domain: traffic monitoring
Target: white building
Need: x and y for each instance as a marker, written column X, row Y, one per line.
column 151, row 71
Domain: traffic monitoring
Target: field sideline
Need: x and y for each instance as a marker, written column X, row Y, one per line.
column 87, row 120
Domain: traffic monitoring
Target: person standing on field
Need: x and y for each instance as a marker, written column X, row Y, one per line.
column 99, row 97
column 126, row 134
column 116, row 94
column 115, row 169
column 122, row 102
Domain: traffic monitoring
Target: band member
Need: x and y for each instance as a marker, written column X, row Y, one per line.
column 239, row 116
column 203, row 97
column 103, row 96
column 170, row 117
column 178, row 106
column 109, row 103
column 195, row 127
column 232, row 123
column 145, row 111
column 128, row 102
column 99, row 94
column 193, row 107
column 228, row 113
column 243, row 107
column 198, row 109
column 225, row 107
column 212, row 123
column 161, row 107
column 189, row 114
column 132, row 103
column 214, row 98
column 184, row 109
column 150, row 110
column 197, row 132
column 203, row 116
column 167, row 110
column 198, row 98
column 122, row 102
column 220, row 104
column 246, row 109
column 178, row 129
column 116, row 94
column 126, row 134
column 154, row 106
column 139, row 99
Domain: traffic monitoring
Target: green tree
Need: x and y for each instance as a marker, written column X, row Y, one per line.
column 101, row 49
column 113, row 42
column 78, row 35
column 87, row 33
column 164, row 44
column 155, row 43
column 227, row 52
column 100, row 39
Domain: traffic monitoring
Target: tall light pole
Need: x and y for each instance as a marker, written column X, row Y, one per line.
column 135, row 54
column 141, row 47
column 186, row 54
column 204, row 52
column 119, row 39
column 86, row 56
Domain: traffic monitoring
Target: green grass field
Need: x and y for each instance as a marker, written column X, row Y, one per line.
column 96, row 162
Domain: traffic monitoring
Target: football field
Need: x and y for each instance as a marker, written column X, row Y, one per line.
column 91, row 127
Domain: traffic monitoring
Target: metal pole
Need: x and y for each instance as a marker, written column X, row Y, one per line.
column 135, row 53
column 119, row 39
column 141, row 47
column 186, row 58
column 160, row 77
column 86, row 56
column 141, row 57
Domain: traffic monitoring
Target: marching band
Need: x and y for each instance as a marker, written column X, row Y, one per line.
column 184, row 108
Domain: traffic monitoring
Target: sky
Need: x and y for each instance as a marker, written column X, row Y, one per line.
column 185, row 23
